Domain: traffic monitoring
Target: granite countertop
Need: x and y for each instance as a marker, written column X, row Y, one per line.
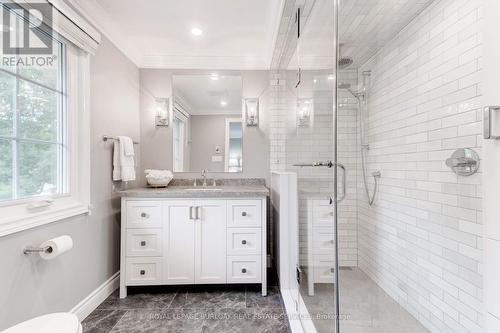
column 237, row 188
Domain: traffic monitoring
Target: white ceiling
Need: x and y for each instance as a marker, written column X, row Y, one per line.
column 237, row 34
column 202, row 95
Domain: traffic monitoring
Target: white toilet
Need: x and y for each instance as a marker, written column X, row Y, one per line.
column 51, row 323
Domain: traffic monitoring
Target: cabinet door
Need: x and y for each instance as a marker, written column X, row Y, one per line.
column 179, row 234
column 210, row 242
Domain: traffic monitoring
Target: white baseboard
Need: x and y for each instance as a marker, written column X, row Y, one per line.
column 92, row 301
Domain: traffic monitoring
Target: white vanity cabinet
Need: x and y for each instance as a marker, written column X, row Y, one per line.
column 192, row 241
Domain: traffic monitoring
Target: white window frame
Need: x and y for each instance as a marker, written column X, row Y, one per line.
column 183, row 116
column 227, row 140
column 23, row 214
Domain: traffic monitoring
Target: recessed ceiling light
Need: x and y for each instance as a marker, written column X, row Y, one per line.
column 197, row 31
column 223, row 103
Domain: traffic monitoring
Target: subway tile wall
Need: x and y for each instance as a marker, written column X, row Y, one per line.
column 292, row 144
column 421, row 241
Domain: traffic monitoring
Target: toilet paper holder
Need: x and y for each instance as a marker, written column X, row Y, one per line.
column 31, row 250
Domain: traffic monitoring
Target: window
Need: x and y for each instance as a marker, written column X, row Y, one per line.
column 178, row 145
column 44, row 116
column 33, row 126
column 180, row 138
column 234, row 145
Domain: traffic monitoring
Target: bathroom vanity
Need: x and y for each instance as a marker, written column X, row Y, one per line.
column 184, row 235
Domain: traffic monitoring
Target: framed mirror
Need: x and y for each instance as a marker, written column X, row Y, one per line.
column 207, row 123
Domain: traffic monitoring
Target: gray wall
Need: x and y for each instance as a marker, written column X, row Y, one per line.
column 29, row 286
column 156, row 143
column 206, row 133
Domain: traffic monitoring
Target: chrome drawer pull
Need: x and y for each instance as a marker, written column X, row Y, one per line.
column 143, row 243
column 244, row 270
column 243, row 213
column 244, row 242
column 143, row 272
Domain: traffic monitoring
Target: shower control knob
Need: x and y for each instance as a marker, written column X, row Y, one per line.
column 244, row 242
column 332, row 270
column 243, row 213
column 143, row 272
column 144, row 215
column 143, row 243
column 244, row 270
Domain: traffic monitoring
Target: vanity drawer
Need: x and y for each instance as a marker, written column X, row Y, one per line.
column 323, row 241
column 144, row 243
column 143, row 214
column 244, row 269
column 244, row 241
column 244, row 213
column 324, row 269
column 144, row 271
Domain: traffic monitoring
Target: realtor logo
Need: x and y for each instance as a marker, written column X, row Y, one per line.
column 21, row 29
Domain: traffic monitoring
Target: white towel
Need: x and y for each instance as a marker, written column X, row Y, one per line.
column 123, row 159
column 128, row 145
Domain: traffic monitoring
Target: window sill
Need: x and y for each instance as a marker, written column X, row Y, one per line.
column 16, row 222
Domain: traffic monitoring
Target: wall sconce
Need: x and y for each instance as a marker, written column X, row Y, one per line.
column 162, row 112
column 305, row 108
column 252, row 111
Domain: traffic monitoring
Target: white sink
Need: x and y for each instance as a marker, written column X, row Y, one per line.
column 204, row 189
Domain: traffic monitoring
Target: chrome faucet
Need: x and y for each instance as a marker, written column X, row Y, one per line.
column 204, row 175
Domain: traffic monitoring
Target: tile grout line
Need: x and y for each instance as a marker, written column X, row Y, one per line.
column 171, row 301
column 126, row 311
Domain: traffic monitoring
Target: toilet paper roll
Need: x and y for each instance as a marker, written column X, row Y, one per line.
column 58, row 246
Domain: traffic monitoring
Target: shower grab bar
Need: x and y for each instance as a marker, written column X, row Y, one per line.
column 329, row 164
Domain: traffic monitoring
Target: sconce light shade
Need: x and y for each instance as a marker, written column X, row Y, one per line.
column 252, row 111
column 162, row 112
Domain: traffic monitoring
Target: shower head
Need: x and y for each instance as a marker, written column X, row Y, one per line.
column 345, row 62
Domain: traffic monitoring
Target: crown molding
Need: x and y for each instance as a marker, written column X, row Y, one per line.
column 204, row 62
column 97, row 16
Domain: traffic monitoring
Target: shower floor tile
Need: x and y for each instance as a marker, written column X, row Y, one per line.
column 365, row 307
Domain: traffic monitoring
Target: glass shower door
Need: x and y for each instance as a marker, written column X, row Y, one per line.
column 308, row 115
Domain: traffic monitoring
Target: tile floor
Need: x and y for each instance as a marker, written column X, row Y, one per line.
column 365, row 307
column 193, row 309
column 239, row 309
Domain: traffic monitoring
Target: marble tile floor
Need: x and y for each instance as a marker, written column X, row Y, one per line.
column 365, row 307
column 193, row 309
